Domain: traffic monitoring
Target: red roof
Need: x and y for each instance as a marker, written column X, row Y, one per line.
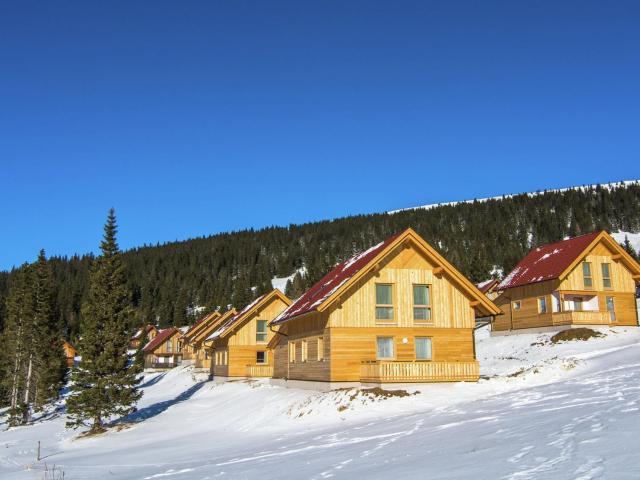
column 485, row 286
column 547, row 262
column 331, row 282
column 159, row 338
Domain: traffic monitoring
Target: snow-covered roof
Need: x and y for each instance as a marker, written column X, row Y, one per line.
column 547, row 262
column 159, row 338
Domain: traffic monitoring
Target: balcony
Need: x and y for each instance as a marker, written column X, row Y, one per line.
column 581, row 317
column 259, row 370
column 382, row 371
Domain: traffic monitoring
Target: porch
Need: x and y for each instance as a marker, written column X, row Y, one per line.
column 382, row 371
column 259, row 370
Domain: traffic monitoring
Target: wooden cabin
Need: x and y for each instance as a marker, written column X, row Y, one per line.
column 202, row 351
column 239, row 348
column 398, row 312
column 134, row 342
column 70, row 353
column 188, row 353
column 164, row 350
column 489, row 288
column 586, row 280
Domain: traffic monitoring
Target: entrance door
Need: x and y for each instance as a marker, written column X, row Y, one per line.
column 611, row 309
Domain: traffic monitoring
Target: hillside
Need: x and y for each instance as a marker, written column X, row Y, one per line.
column 477, row 236
column 541, row 411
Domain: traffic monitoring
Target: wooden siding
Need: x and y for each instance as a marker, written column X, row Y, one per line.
column 259, row 371
column 352, row 346
column 621, row 278
column 449, row 306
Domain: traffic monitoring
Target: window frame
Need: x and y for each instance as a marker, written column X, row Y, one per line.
column 415, row 349
column 292, row 351
column 304, row 351
column 393, row 347
column 543, row 300
column 266, row 357
column 607, row 277
column 265, row 333
column 586, row 277
column 320, row 349
column 426, row 307
column 516, row 305
column 384, row 305
column 168, row 346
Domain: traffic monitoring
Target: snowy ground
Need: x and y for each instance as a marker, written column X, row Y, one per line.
column 541, row 411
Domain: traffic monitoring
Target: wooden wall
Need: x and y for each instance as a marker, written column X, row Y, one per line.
column 621, row 278
column 449, row 306
column 351, row 346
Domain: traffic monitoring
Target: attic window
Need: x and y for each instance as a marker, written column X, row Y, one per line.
column 606, row 275
column 384, row 302
column 586, row 275
column 421, row 303
column 261, row 331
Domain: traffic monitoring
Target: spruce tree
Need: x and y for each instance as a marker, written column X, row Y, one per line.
column 105, row 383
column 139, row 355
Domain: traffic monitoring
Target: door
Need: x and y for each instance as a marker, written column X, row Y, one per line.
column 611, row 309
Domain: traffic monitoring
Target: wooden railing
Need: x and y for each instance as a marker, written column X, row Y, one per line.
column 412, row 371
column 582, row 317
column 163, row 365
column 259, row 370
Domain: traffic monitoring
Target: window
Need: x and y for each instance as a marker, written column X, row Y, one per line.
column 606, row 275
column 421, row 303
column 292, row 352
column 384, row 347
column 586, row 275
column 261, row 331
column 320, row 349
column 167, row 345
column 303, row 351
column 384, row 302
column 206, row 355
column 611, row 309
column 423, row 348
column 261, row 357
column 577, row 304
column 542, row 305
column 517, row 305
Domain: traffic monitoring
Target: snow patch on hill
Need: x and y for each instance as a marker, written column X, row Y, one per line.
column 634, row 238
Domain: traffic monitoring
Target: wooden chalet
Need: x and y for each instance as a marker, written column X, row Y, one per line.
column 398, row 312
column 134, row 342
column 489, row 288
column 586, row 280
column 186, row 341
column 201, row 351
column 70, row 353
column 239, row 347
column 164, row 350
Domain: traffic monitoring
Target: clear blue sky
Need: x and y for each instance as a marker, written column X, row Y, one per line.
column 192, row 118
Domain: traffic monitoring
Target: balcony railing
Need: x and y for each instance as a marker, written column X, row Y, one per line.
column 163, row 365
column 259, row 370
column 412, row 371
column 582, row 317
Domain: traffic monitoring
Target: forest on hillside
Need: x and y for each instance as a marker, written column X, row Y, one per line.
column 167, row 281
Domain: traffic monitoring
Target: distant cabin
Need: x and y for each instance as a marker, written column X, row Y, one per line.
column 70, row 353
column 164, row 350
column 586, row 280
column 186, row 340
column 202, row 350
column 489, row 288
column 398, row 312
column 239, row 347
column 134, row 342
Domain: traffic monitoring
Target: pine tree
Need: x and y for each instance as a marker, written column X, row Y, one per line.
column 139, row 355
column 629, row 248
column 49, row 357
column 105, row 383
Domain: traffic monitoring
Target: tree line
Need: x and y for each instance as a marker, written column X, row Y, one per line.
column 481, row 239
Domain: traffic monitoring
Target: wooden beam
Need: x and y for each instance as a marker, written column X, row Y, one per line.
column 438, row 271
column 616, row 256
column 474, row 303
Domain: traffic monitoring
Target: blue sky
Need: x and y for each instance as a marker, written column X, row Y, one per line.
column 192, row 118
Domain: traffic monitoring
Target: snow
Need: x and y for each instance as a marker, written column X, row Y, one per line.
column 608, row 186
column 281, row 282
column 484, row 284
column 634, row 238
column 541, row 411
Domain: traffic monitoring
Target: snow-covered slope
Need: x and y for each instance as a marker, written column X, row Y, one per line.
column 634, row 238
column 541, row 411
column 609, row 186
